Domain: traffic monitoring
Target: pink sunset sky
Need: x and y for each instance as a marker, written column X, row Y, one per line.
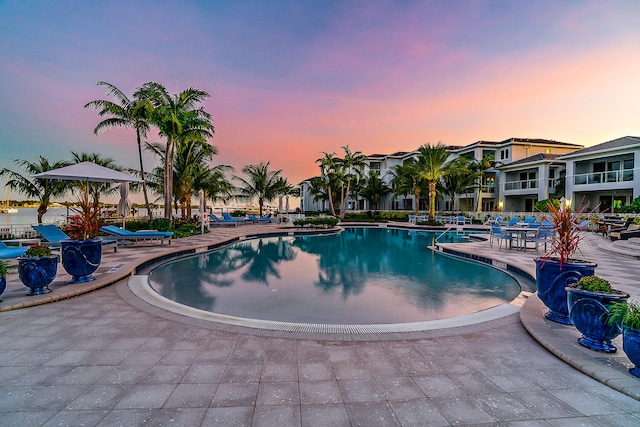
column 291, row 79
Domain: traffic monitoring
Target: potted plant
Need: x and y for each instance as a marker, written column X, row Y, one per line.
column 4, row 270
column 37, row 268
column 558, row 269
column 589, row 302
column 82, row 252
column 628, row 316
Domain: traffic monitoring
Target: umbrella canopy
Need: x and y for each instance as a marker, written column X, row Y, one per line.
column 286, row 206
column 87, row 171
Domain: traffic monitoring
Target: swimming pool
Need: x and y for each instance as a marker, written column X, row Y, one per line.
column 360, row 276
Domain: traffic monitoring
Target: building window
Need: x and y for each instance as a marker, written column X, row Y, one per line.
column 547, row 150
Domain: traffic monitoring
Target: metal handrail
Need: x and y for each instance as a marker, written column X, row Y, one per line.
column 443, row 233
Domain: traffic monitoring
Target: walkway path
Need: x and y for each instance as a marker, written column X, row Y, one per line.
column 107, row 358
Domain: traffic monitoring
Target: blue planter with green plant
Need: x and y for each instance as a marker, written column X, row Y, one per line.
column 37, row 269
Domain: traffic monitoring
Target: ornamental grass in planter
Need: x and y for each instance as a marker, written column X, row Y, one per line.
column 558, row 268
column 589, row 302
column 627, row 315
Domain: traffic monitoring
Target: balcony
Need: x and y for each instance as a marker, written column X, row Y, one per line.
column 521, row 185
column 603, row 177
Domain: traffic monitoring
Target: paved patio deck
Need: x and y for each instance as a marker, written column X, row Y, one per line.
column 108, row 358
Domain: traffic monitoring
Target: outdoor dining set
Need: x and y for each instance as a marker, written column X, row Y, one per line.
column 521, row 234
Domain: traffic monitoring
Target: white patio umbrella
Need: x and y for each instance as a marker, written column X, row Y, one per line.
column 124, row 205
column 87, row 172
column 286, row 205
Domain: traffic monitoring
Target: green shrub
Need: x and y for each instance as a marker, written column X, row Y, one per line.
column 185, row 229
column 160, row 224
column 37, row 251
column 4, row 268
column 625, row 314
column 595, row 284
column 542, row 205
column 432, row 223
column 237, row 214
column 137, row 225
column 634, row 207
column 395, row 215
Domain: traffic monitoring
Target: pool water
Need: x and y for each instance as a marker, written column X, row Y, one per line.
column 360, row 276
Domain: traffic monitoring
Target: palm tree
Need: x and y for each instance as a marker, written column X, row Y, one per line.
column 351, row 167
column 95, row 189
column 430, row 166
column 457, row 179
column 318, row 190
column 42, row 189
column 479, row 167
column 178, row 118
column 126, row 113
column 375, row 189
column 330, row 173
column 215, row 184
column 402, row 182
column 259, row 182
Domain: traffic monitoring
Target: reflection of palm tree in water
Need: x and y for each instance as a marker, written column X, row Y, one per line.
column 261, row 258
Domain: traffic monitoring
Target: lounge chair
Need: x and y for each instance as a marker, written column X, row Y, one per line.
column 228, row 217
column 222, row 221
column 8, row 252
column 128, row 236
column 53, row 235
column 262, row 219
column 513, row 221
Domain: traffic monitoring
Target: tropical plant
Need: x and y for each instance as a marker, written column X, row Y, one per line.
column 457, row 179
column 328, row 222
column 403, row 180
column 625, row 314
column 37, row 251
column 375, row 189
column 541, row 205
column 567, row 237
column 259, row 182
column 179, row 117
column 595, row 284
column 480, row 167
column 92, row 193
column 350, row 164
column 85, row 224
column 330, row 175
column 4, row 267
column 318, row 190
column 125, row 113
column 44, row 190
column 429, row 167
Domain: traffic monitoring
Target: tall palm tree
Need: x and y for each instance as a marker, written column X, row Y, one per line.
column 430, row 165
column 42, row 189
column 375, row 188
column 330, row 173
column 215, row 184
column 125, row 113
column 259, row 182
column 179, row 117
column 350, row 164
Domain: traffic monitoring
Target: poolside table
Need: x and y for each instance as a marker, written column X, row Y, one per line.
column 521, row 232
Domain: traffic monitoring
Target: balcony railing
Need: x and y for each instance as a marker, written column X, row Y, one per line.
column 603, row 177
column 488, row 188
column 521, row 185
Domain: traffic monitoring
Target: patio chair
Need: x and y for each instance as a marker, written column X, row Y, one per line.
column 222, row 221
column 262, row 219
column 53, row 235
column 529, row 220
column 9, row 252
column 513, row 221
column 122, row 235
column 497, row 233
column 538, row 236
column 228, row 217
column 412, row 219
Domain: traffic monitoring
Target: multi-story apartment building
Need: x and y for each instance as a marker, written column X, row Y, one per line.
column 605, row 175
column 527, row 170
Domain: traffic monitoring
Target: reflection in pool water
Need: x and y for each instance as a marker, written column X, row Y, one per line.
column 360, row 276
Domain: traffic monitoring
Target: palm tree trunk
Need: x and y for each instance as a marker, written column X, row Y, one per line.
column 432, row 200
column 144, row 183
column 168, row 179
column 416, row 195
column 333, row 209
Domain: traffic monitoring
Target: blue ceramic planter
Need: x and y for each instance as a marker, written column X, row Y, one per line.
column 38, row 273
column 589, row 313
column 3, row 284
column 81, row 258
column 631, row 346
column 552, row 280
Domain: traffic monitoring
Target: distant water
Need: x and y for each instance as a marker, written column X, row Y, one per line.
column 29, row 216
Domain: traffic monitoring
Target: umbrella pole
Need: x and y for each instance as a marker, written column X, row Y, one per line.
column 86, row 208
